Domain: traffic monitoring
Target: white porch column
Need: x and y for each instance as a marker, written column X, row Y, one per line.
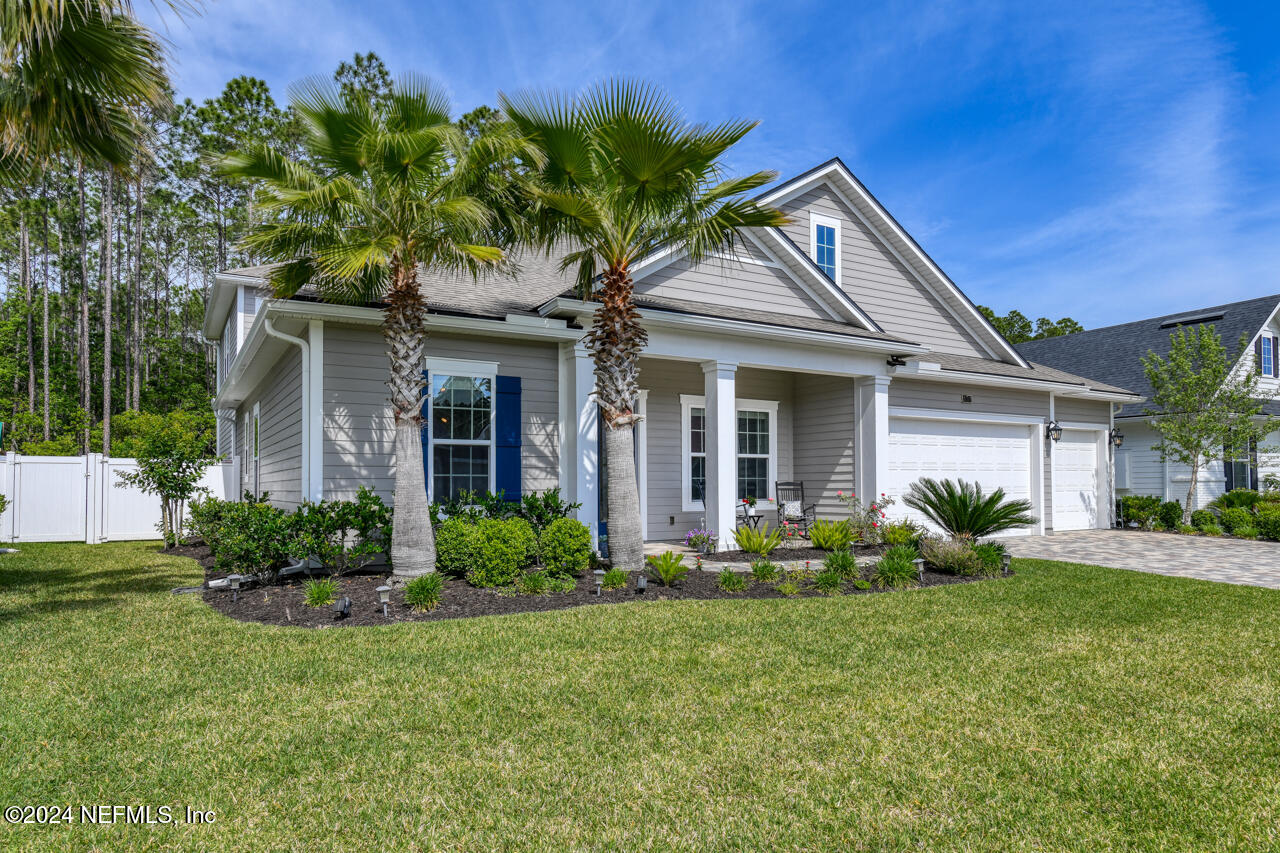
column 586, row 443
column 871, row 436
column 720, row 382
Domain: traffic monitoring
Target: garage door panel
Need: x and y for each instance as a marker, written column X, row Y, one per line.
column 994, row 455
column 1075, row 480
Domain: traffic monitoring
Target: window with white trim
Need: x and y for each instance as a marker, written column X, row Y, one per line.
column 1268, row 356
column 756, row 450
column 824, row 244
column 461, row 415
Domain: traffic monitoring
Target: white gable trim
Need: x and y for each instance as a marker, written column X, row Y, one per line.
column 1246, row 358
column 958, row 305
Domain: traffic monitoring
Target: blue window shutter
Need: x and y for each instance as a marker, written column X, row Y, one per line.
column 1227, row 468
column 426, row 430
column 507, row 423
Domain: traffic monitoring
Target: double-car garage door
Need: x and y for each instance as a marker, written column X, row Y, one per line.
column 997, row 455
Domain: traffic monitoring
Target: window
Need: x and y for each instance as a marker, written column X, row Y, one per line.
column 1268, row 356
column 756, row 450
column 825, row 244
column 461, row 435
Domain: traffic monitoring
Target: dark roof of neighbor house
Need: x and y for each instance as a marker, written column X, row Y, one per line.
column 970, row 364
column 1113, row 354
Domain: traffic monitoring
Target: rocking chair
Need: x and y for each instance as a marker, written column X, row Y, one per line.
column 792, row 508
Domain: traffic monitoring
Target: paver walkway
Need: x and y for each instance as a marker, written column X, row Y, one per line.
column 1242, row 561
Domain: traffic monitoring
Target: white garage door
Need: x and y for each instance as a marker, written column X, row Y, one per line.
column 994, row 455
column 1075, row 480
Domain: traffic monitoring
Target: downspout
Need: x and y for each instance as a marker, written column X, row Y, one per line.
column 305, row 348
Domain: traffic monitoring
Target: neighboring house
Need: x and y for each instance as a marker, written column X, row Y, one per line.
column 834, row 351
column 1114, row 354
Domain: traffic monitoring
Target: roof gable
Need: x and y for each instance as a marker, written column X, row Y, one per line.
column 1113, row 354
column 913, row 260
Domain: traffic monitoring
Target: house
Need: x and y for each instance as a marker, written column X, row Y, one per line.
column 1114, row 355
column 832, row 351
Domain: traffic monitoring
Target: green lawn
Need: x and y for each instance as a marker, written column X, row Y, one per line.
column 1069, row 707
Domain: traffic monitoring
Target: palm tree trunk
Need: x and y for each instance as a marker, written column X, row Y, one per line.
column 44, row 312
column 616, row 340
column 413, row 544
column 24, row 253
column 82, row 321
column 108, row 290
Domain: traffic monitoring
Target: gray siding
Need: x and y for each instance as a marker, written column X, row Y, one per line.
column 1081, row 411
column 279, row 397
column 665, row 382
column 877, row 281
column 1150, row 475
column 359, row 434
column 226, row 437
column 719, row 281
column 947, row 396
column 253, row 298
column 824, row 428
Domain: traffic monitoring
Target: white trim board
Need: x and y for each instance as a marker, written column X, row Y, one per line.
column 975, row 417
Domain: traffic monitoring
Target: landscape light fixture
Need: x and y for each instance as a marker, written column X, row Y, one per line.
column 919, row 563
column 384, row 597
column 599, row 573
column 1005, row 560
column 1117, row 437
column 1054, row 431
column 234, row 581
column 342, row 607
column 641, row 583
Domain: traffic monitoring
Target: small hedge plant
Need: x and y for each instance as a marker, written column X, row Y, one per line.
column 829, row 582
column 731, row 581
column 317, row 592
column 1202, row 518
column 566, row 547
column 765, row 571
column 842, row 563
column 423, row 592
column 896, row 568
column 1139, row 509
column 830, row 535
column 1268, row 522
column 1170, row 514
column 614, row 579
column 1233, row 518
column 488, row 551
column 667, row 567
column 758, row 541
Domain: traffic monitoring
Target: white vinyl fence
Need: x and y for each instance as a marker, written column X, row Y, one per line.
column 77, row 499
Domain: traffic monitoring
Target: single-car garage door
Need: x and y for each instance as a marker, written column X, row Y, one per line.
column 992, row 454
column 1075, row 480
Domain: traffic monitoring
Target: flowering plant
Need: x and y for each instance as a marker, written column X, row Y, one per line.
column 868, row 519
column 751, row 501
column 700, row 539
column 790, row 531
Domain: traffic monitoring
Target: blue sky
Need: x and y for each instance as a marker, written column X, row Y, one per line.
column 1106, row 161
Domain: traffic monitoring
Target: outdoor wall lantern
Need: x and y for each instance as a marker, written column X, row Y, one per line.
column 234, row 581
column 641, row 583
column 384, row 597
column 599, row 573
column 1117, row 437
column 919, row 562
column 342, row 607
column 1054, row 431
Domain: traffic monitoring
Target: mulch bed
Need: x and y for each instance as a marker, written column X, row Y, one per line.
column 283, row 604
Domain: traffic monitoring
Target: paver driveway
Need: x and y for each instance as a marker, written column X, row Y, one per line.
column 1212, row 559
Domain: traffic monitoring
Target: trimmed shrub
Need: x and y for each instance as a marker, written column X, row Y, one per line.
column 208, row 517
column 540, row 509
column 1140, row 509
column 901, row 533
column 614, row 579
column 456, row 540
column 954, row 557
column 343, row 535
column 523, row 531
column 1170, row 514
column 1247, row 531
column 423, row 592
column 488, row 552
column 1268, row 523
column 1235, row 517
column 831, row 535
column 1202, row 518
column 255, row 538
column 566, row 547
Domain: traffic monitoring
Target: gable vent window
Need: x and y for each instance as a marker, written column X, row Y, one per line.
column 824, row 236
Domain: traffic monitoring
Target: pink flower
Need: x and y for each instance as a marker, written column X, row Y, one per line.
column 839, row 494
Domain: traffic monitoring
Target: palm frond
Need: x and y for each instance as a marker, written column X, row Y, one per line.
column 962, row 509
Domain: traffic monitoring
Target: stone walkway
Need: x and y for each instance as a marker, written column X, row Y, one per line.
column 1241, row 561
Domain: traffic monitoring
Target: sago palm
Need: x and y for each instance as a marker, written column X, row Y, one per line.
column 962, row 509
column 73, row 78
column 624, row 176
column 383, row 191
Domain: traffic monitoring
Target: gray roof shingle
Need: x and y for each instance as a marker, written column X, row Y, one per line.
column 1113, row 354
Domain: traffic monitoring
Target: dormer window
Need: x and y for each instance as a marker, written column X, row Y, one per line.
column 1268, row 356
column 824, row 238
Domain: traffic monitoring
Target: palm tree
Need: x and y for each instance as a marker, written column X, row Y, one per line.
column 625, row 175
column 382, row 191
column 73, row 76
